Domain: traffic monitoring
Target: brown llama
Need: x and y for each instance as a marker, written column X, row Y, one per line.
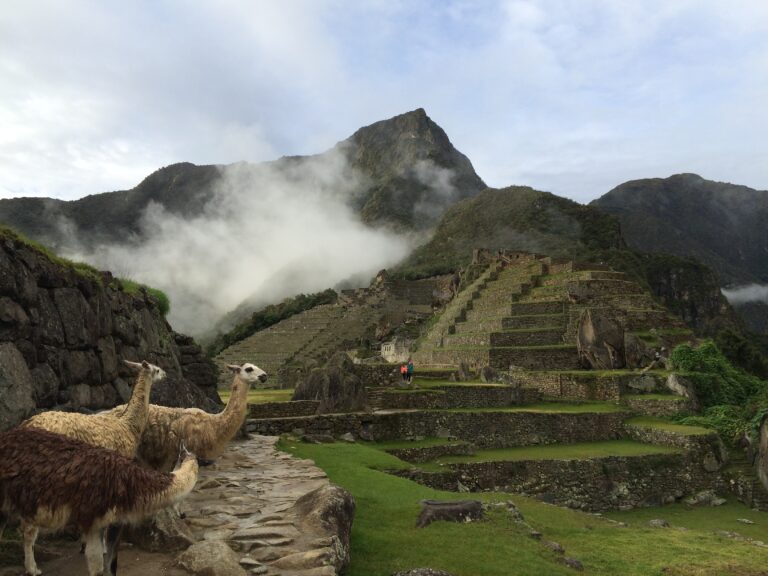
column 207, row 435
column 122, row 433
column 50, row 481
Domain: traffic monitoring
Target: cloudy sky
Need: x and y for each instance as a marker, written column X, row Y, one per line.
column 571, row 96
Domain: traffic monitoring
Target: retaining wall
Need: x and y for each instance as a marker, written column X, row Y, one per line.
column 611, row 483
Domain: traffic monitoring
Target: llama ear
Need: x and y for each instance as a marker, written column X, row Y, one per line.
column 144, row 364
column 234, row 368
column 133, row 365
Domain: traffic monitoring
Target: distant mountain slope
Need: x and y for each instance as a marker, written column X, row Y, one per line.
column 521, row 218
column 515, row 218
column 723, row 225
column 406, row 172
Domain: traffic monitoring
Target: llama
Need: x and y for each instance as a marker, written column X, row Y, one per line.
column 50, row 481
column 121, row 434
column 205, row 434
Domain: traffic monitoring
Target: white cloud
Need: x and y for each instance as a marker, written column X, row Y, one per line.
column 267, row 233
column 574, row 96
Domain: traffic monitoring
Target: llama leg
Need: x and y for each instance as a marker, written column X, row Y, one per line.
column 94, row 553
column 113, row 534
column 30, row 536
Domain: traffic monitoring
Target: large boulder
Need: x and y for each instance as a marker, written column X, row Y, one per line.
column 211, row 558
column 451, row 511
column 328, row 510
column 17, row 388
column 600, row 340
column 336, row 386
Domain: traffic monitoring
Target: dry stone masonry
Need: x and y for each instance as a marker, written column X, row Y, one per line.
column 64, row 332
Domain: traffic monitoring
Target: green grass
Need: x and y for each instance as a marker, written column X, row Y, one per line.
column 658, row 423
column 80, row 268
column 424, row 443
column 135, row 288
column 384, row 537
column 552, row 407
column 580, row 451
column 261, row 396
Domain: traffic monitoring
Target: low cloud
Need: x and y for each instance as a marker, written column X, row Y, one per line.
column 270, row 231
column 747, row 293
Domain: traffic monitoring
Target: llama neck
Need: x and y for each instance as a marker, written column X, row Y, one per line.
column 184, row 479
column 231, row 418
column 136, row 410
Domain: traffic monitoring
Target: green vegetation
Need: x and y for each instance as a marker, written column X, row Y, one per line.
column 87, row 271
column 385, row 539
column 580, row 451
column 269, row 316
column 552, row 408
column 261, row 396
column 423, row 443
column 80, row 268
column 734, row 401
column 160, row 297
column 667, row 426
column 745, row 352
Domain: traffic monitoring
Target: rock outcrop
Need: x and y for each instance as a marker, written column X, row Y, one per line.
column 64, row 330
column 336, row 386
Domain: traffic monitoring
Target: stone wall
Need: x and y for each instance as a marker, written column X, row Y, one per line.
column 611, row 483
column 484, row 429
column 283, row 409
column 571, row 387
column 377, row 375
column 762, row 454
column 64, row 334
column 657, row 407
column 448, row 397
column 428, row 453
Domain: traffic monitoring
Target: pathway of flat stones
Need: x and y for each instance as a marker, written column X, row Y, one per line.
column 244, row 499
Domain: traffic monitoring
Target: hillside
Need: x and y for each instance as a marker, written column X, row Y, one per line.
column 719, row 224
column 406, row 173
column 525, row 219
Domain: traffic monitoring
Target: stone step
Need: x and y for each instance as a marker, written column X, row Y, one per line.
column 535, row 358
column 537, row 337
column 561, row 279
column 486, row 324
column 540, row 321
column 526, row 308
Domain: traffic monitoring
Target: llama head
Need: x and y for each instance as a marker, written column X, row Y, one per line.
column 155, row 372
column 248, row 373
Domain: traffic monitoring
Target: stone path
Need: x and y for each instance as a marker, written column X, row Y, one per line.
column 245, row 499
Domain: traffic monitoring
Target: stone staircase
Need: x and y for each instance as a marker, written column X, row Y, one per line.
column 523, row 313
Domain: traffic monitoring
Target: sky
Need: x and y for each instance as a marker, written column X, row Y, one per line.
column 570, row 96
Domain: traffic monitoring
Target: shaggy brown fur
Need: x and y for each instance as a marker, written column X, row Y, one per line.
column 122, row 433
column 51, row 481
column 207, row 435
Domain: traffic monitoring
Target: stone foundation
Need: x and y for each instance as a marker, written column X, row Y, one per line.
column 449, row 397
column 484, row 429
column 610, row 483
column 283, row 409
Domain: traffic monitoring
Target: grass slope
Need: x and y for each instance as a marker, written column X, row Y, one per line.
column 384, row 537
